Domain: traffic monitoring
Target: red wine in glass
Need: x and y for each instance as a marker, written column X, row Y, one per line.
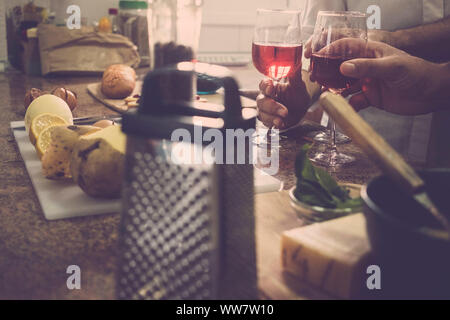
column 326, row 60
column 325, row 70
column 277, row 61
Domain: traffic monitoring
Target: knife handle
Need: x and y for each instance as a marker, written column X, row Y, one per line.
column 371, row 142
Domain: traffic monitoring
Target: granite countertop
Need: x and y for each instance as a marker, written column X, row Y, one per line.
column 34, row 252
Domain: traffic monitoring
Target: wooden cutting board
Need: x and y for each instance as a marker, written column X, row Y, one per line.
column 117, row 105
column 211, row 101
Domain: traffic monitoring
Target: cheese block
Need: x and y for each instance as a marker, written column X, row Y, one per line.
column 331, row 255
column 112, row 135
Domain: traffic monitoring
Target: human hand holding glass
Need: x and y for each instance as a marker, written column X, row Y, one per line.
column 277, row 47
column 326, row 60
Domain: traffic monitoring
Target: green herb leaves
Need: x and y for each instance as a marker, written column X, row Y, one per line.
column 317, row 188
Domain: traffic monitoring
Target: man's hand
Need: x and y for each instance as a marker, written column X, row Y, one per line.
column 286, row 104
column 384, row 36
column 393, row 80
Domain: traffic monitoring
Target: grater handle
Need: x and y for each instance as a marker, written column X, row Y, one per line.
column 232, row 99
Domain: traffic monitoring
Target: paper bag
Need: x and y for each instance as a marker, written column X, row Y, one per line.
column 83, row 51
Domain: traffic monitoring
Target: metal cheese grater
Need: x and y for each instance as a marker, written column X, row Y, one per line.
column 187, row 230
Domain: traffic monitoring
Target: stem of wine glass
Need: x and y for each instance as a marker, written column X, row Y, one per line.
column 275, row 82
column 333, row 144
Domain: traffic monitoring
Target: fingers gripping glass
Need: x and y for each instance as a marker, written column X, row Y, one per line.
column 330, row 48
column 277, row 45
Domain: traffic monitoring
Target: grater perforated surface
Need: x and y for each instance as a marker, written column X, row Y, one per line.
column 166, row 238
column 239, row 280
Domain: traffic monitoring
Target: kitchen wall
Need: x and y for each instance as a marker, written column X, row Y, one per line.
column 227, row 24
column 91, row 10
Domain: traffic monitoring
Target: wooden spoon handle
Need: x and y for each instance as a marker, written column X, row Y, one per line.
column 371, row 142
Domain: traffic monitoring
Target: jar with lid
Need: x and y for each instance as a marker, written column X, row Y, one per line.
column 133, row 22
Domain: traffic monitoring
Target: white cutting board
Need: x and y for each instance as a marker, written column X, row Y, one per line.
column 59, row 199
column 64, row 199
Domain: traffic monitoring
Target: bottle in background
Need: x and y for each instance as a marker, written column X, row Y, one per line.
column 175, row 32
column 113, row 12
column 133, row 23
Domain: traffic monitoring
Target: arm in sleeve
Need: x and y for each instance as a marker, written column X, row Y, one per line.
column 429, row 41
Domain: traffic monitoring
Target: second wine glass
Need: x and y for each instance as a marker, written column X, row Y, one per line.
column 326, row 59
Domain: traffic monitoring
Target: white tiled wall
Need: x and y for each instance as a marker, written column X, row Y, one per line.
column 228, row 25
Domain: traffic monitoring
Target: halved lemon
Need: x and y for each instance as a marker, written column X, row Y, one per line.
column 42, row 122
column 44, row 140
column 47, row 103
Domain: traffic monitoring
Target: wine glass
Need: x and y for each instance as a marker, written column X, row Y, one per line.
column 325, row 136
column 277, row 45
column 326, row 59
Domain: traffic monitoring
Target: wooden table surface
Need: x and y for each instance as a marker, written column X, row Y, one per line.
column 34, row 253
